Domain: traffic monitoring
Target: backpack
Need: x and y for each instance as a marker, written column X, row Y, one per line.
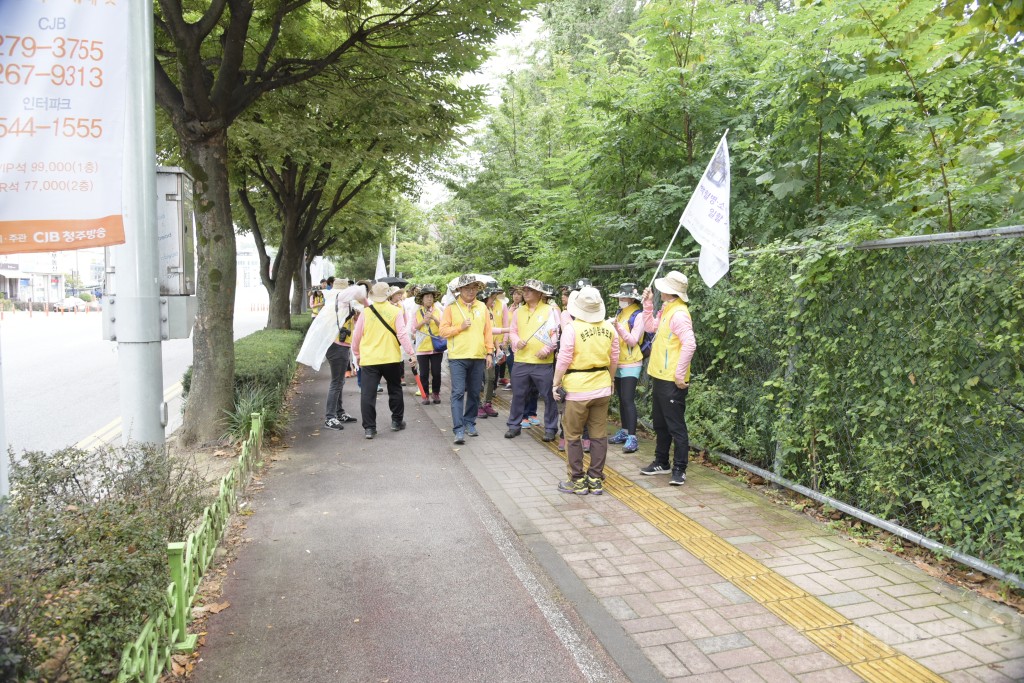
column 646, row 340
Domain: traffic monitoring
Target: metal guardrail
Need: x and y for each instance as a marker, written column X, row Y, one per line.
column 146, row 659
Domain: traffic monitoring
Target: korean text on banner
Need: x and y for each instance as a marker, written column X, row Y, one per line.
column 62, row 109
column 707, row 217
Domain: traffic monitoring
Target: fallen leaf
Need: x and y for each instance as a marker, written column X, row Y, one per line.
column 218, row 608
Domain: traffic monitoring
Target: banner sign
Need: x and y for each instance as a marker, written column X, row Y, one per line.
column 707, row 216
column 63, row 76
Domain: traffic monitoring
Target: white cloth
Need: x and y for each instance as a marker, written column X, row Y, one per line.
column 324, row 330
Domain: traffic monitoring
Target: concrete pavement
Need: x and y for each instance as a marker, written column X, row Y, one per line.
column 406, row 558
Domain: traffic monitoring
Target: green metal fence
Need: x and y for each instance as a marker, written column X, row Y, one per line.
column 166, row 632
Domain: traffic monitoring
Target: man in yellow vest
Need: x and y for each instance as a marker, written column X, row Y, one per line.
column 377, row 342
column 587, row 361
column 669, row 369
column 534, row 335
column 466, row 324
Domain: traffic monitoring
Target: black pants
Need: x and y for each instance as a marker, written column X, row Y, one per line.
column 338, row 357
column 669, row 417
column 392, row 374
column 625, row 389
column 430, row 371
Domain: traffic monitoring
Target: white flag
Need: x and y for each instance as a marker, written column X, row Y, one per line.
column 382, row 270
column 707, row 216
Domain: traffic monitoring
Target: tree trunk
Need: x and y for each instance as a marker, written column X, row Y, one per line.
column 298, row 291
column 280, row 296
column 213, row 363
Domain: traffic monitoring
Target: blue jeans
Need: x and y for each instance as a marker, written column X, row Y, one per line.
column 467, row 376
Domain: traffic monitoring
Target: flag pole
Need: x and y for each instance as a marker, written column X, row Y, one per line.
column 675, row 234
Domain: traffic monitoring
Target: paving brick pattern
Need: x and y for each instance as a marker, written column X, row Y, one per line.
column 694, row 625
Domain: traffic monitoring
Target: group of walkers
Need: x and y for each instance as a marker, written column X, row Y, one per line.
column 573, row 357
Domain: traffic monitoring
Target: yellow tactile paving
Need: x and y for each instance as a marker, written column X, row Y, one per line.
column 866, row 655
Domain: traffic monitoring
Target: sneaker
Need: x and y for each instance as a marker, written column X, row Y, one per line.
column 561, row 445
column 417, row 393
column 489, row 410
column 460, row 436
column 632, row 445
column 471, row 430
column 586, row 445
column 678, row 478
column 577, row 486
column 595, row 485
column 534, row 421
column 397, row 425
column 370, row 433
column 513, row 432
column 618, row 437
column 481, row 414
column 345, row 417
column 504, row 381
column 380, row 390
column 525, row 424
column 425, row 402
column 654, row 468
column 549, row 435
column 507, row 387
column 436, row 398
column 333, row 423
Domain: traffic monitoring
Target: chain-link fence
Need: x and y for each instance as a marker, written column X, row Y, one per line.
column 888, row 376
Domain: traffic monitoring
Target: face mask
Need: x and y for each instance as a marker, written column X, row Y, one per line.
column 625, row 303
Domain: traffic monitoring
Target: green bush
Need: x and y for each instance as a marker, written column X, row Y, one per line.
column 268, row 403
column 83, row 556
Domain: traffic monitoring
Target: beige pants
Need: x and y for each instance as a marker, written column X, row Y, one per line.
column 592, row 414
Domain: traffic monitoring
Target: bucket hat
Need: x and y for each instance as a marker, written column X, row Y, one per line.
column 425, row 289
column 536, row 285
column 379, row 292
column 586, row 305
column 628, row 290
column 469, row 279
column 673, row 283
column 581, row 283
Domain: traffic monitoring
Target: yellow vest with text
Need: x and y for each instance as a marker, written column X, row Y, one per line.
column 592, row 349
column 349, row 325
column 378, row 346
column 629, row 354
column 498, row 320
column 528, row 323
column 666, row 347
column 468, row 344
column 427, row 345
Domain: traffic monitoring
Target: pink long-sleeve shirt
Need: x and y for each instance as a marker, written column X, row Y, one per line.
column 682, row 327
column 565, row 354
column 403, row 337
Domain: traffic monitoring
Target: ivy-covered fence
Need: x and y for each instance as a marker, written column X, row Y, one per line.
column 888, row 376
column 146, row 659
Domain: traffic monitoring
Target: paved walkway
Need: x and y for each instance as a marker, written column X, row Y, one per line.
column 406, row 558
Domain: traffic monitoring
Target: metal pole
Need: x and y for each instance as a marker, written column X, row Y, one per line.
column 137, row 326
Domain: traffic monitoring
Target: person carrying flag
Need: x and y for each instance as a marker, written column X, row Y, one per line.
column 534, row 335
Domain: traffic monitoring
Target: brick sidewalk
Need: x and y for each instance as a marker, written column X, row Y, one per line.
column 694, row 624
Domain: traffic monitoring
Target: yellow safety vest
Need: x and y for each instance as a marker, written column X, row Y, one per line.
column 468, row 344
column 427, row 345
column 592, row 354
column 498, row 320
column 349, row 325
column 666, row 347
column 378, row 346
column 629, row 354
column 528, row 323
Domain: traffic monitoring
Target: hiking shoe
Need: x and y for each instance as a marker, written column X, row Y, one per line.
column 425, row 402
column 586, row 445
column 460, row 436
column 561, row 444
column 436, row 398
column 380, row 390
column 534, row 421
column 481, row 414
column 489, row 410
column 525, row 424
column 513, row 432
column 471, row 430
column 632, row 444
column 333, row 423
column 370, row 433
column 678, row 478
column 345, row 417
column 595, row 485
column 618, row 437
column 549, row 435
column 654, row 468
column 504, row 381
column 397, row 425
column 577, row 486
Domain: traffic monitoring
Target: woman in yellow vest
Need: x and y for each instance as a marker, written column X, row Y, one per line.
column 534, row 335
column 426, row 328
column 629, row 324
column 669, row 369
column 587, row 361
column 377, row 342
column 466, row 324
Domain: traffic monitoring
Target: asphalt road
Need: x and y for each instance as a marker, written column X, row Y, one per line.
column 60, row 378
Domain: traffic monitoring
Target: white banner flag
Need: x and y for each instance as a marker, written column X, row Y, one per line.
column 382, row 270
column 707, row 216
